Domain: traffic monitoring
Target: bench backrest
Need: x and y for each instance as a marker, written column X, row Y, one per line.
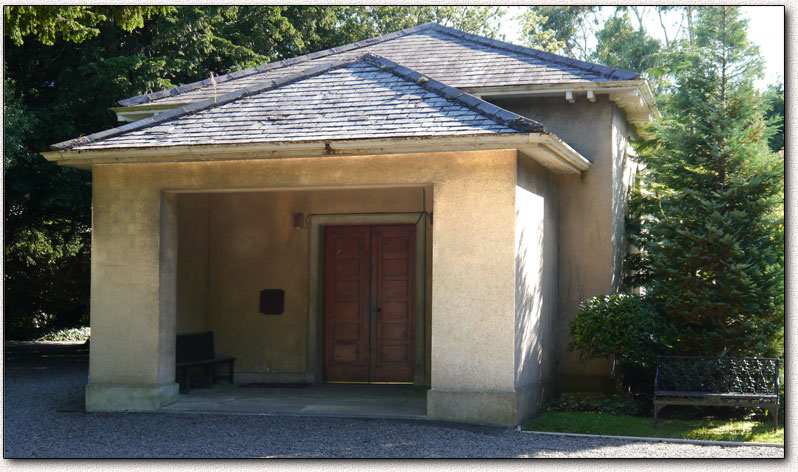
column 194, row 347
column 745, row 375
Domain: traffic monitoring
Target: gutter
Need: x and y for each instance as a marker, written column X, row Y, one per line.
column 556, row 89
column 634, row 97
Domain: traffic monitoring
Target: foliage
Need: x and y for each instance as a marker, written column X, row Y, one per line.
column 69, row 334
column 66, row 66
column 621, row 45
column 774, row 112
column 532, row 27
column 46, row 241
column 707, row 216
column 72, row 23
column 624, row 425
column 619, row 404
column 568, row 29
column 360, row 22
column 621, row 325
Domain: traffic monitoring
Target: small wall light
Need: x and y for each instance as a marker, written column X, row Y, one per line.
column 299, row 221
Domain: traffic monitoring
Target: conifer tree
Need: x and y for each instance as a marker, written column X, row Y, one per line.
column 709, row 216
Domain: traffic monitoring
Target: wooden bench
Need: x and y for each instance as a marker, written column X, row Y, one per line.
column 196, row 350
column 717, row 381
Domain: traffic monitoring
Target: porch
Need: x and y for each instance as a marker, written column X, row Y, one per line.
column 189, row 247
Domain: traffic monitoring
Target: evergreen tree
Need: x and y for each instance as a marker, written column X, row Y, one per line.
column 709, row 218
column 619, row 44
column 774, row 97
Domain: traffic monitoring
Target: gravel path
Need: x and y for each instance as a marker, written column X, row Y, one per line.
column 43, row 394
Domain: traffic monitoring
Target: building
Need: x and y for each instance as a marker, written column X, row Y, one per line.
column 433, row 205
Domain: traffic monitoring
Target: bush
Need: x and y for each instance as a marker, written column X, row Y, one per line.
column 621, row 325
column 598, row 403
column 71, row 334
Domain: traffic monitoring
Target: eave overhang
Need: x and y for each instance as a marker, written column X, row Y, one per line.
column 545, row 148
column 634, row 97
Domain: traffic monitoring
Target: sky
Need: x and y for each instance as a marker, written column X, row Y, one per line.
column 765, row 29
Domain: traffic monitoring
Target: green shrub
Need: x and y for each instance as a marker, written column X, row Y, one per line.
column 621, row 325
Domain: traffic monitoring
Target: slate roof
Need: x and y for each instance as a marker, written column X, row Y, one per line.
column 362, row 97
column 456, row 58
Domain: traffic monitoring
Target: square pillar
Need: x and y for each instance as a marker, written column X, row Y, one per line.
column 473, row 297
column 133, row 285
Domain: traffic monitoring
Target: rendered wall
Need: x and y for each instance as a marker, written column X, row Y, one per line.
column 588, row 210
column 535, row 286
column 134, row 256
column 624, row 173
column 193, row 217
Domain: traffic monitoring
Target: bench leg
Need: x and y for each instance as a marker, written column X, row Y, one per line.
column 230, row 372
column 656, row 413
column 775, row 412
column 187, row 376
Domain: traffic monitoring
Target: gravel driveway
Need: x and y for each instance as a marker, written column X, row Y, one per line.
column 43, row 395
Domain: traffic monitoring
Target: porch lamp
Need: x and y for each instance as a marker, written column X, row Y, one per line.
column 299, row 221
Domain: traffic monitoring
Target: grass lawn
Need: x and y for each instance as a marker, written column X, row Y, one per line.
column 603, row 423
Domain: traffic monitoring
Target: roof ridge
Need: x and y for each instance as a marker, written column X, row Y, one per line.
column 475, row 104
column 148, row 97
column 588, row 66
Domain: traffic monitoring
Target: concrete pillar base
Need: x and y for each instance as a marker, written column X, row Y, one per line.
column 479, row 407
column 116, row 397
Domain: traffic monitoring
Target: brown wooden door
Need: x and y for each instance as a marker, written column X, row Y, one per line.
column 346, row 307
column 369, row 309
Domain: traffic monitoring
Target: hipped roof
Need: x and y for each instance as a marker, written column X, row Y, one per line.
column 454, row 57
column 356, row 98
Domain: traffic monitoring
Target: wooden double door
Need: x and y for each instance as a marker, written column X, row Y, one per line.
column 369, row 303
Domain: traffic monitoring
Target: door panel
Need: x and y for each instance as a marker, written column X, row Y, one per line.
column 393, row 256
column 369, row 306
column 346, row 310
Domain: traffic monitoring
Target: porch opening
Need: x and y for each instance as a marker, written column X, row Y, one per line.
column 233, row 245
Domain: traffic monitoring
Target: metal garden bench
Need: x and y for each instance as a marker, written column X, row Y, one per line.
column 717, row 381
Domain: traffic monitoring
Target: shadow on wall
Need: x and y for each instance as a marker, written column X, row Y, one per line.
column 622, row 175
column 535, row 316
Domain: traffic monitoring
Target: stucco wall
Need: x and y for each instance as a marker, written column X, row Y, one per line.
column 192, row 263
column 587, row 218
column 535, row 286
column 473, row 248
column 624, row 172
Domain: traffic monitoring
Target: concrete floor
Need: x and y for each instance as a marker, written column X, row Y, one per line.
column 349, row 400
